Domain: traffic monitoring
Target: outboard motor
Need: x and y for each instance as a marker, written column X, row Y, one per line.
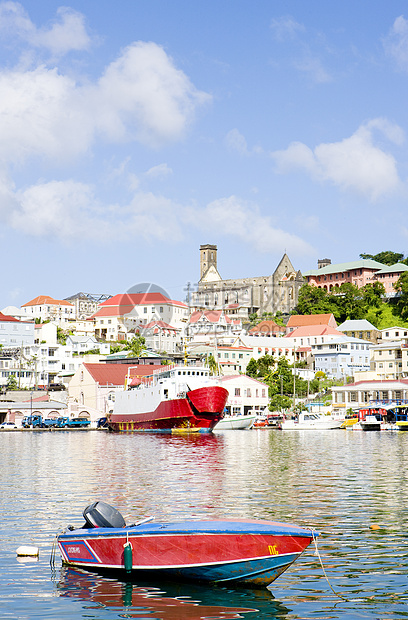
column 100, row 514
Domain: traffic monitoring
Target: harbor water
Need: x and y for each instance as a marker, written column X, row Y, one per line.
column 350, row 486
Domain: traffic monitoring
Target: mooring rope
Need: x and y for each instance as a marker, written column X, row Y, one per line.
column 324, row 572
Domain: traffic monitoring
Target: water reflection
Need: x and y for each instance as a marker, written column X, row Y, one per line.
column 169, row 602
column 352, row 487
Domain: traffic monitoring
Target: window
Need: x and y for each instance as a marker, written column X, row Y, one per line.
column 237, row 392
column 145, row 310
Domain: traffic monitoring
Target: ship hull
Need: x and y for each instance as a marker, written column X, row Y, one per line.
column 198, row 412
column 247, row 553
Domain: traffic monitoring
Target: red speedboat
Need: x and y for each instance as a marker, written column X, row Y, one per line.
column 243, row 552
column 174, row 399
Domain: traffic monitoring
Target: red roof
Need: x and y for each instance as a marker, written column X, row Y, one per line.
column 160, row 324
column 42, row 300
column 112, row 311
column 6, row 317
column 299, row 320
column 140, row 299
column 313, row 330
column 115, row 374
column 213, row 316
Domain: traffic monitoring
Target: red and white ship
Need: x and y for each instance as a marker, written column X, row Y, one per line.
column 172, row 399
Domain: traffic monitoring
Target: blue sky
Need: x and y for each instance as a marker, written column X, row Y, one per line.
column 131, row 133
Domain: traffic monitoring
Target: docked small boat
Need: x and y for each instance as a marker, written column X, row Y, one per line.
column 174, row 399
column 235, row 422
column 242, row 552
column 373, row 418
column 311, row 422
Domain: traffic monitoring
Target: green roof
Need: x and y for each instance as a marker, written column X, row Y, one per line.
column 363, row 263
column 395, row 268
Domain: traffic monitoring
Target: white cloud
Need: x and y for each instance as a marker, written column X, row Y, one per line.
column 235, row 141
column 313, row 66
column 356, row 163
column 66, row 33
column 396, row 42
column 143, row 96
column 236, row 218
column 285, row 27
column 70, row 212
column 57, row 209
column 159, row 171
column 42, row 114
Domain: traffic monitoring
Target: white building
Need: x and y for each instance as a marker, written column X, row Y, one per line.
column 389, row 359
column 245, row 394
column 394, row 333
column 81, row 344
column 342, row 357
column 123, row 316
column 162, row 337
column 360, row 393
column 15, row 333
column 212, row 326
column 45, row 308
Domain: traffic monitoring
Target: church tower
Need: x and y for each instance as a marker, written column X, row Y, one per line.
column 208, row 258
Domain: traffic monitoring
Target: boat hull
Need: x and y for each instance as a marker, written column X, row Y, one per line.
column 240, row 422
column 291, row 425
column 198, row 411
column 250, row 553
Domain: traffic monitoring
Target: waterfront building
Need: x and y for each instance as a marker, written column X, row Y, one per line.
column 94, row 385
column 245, row 394
column 273, row 293
column 359, row 394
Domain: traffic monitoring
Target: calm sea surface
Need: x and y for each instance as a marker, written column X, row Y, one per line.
column 351, row 486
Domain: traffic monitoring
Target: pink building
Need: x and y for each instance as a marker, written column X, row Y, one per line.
column 389, row 275
column 359, row 273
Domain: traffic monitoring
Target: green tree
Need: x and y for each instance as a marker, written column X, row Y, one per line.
column 401, row 286
column 373, row 294
column 313, row 300
column 278, row 403
column 212, row 364
column 386, row 258
column 348, row 301
column 252, row 368
column 12, row 383
column 136, row 345
column 61, row 336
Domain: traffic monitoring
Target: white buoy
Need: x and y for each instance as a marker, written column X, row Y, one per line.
column 28, row 551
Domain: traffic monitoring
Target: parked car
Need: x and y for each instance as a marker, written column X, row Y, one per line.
column 56, row 387
column 8, row 426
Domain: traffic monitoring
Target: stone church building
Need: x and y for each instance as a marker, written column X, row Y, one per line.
column 244, row 296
